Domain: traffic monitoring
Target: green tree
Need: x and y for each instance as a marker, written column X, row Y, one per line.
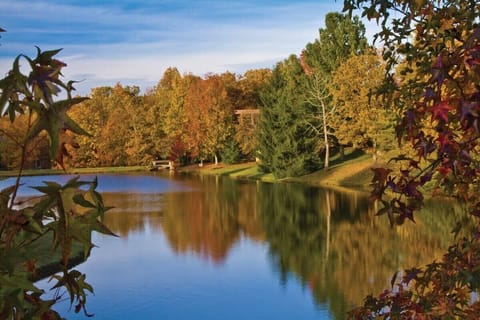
column 286, row 145
column 438, row 45
column 342, row 37
column 231, row 152
column 63, row 215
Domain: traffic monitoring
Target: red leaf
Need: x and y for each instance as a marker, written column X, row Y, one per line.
column 380, row 175
column 440, row 111
column 445, row 141
column 444, row 171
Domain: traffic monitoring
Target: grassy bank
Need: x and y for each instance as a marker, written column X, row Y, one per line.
column 354, row 171
column 43, row 172
column 351, row 172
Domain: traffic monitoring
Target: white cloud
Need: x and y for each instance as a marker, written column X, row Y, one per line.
column 109, row 44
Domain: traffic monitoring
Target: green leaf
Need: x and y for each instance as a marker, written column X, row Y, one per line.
column 46, row 56
column 53, row 119
column 75, row 183
column 80, row 199
column 38, row 125
column 18, row 280
column 46, row 189
column 52, row 184
column 35, row 106
column 102, row 228
column 16, row 65
column 74, row 127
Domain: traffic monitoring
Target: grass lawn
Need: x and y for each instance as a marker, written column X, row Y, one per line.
column 353, row 172
column 41, row 172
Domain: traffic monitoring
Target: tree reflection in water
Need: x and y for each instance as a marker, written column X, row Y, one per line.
column 329, row 240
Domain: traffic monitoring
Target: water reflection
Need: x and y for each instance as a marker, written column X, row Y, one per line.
column 118, row 183
column 330, row 241
column 133, row 212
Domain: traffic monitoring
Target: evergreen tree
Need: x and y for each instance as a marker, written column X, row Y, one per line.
column 286, row 146
column 341, row 37
column 231, row 152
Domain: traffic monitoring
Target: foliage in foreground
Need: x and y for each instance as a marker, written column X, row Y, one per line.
column 436, row 88
column 65, row 214
column 442, row 290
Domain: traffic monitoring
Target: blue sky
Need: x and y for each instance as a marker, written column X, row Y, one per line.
column 133, row 42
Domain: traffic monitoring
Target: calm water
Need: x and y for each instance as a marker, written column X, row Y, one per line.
column 214, row 248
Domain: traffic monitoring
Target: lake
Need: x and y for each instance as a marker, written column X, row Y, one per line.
column 216, row 248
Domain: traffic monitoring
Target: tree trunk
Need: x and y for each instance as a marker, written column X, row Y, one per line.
column 329, row 218
column 216, row 159
column 325, row 137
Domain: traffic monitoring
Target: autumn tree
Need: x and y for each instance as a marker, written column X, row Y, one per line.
column 138, row 130
column 251, row 84
column 360, row 118
column 11, row 142
column 92, row 115
column 121, row 138
column 118, row 128
column 210, row 117
column 342, row 37
column 439, row 45
column 246, row 133
column 167, row 116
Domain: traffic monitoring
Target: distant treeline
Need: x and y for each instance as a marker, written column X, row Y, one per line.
column 295, row 115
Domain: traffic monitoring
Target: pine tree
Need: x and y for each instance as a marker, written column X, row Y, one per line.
column 286, row 146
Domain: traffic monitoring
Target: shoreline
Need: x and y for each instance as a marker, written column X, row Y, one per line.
column 351, row 174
